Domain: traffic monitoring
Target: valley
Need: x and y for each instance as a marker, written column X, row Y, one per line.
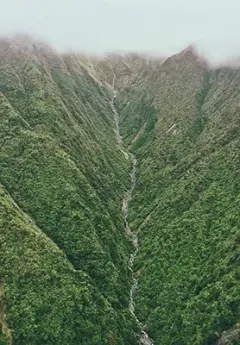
column 144, row 338
column 119, row 198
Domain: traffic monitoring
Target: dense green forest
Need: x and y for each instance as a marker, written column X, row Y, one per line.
column 186, row 204
column 63, row 251
column 64, row 275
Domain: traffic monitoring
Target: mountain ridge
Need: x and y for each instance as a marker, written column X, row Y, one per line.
column 60, row 162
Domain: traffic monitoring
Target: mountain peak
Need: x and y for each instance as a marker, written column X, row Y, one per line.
column 80, row 136
column 190, row 50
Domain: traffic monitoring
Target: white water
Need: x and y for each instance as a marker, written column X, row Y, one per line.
column 116, row 118
column 144, row 338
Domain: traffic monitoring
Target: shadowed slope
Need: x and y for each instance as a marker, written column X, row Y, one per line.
column 187, row 198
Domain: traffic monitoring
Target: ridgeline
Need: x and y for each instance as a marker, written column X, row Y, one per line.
column 64, row 249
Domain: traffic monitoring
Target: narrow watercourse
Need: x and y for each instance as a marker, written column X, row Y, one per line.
column 144, row 338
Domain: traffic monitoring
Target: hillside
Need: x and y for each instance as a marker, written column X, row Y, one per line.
column 64, row 254
column 186, row 204
column 64, row 249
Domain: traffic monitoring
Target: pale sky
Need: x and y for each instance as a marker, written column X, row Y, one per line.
column 160, row 26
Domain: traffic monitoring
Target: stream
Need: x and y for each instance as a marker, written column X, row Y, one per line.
column 144, row 338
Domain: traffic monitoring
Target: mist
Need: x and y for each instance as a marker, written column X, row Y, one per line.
column 152, row 26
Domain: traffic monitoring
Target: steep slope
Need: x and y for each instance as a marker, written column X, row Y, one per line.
column 64, row 238
column 183, row 123
column 64, row 254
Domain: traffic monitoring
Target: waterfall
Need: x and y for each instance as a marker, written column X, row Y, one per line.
column 144, row 338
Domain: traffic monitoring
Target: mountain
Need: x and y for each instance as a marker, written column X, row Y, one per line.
column 65, row 276
column 64, row 253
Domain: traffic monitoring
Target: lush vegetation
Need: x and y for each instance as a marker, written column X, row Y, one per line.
column 186, row 205
column 64, row 276
column 64, row 254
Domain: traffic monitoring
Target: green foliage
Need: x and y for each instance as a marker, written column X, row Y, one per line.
column 186, row 203
column 64, row 254
column 63, row 251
